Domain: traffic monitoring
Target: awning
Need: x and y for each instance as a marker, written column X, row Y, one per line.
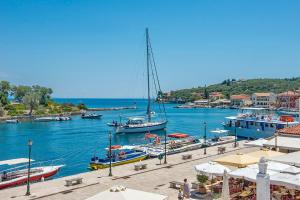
column 178, row 135
column 219, row 131
column 211, row 168
column 265, row 153
column 237, row 160
column 248, row 173
column 290, row 158
column 15, row 161
column 275, row 166
column 150, row 136
column 126, row 194
column 287, row 180
column 285, row 142
column 256, row 143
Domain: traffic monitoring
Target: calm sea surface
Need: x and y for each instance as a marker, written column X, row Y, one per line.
column 75, row 142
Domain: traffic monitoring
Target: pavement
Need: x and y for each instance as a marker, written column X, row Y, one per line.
column 154, row 179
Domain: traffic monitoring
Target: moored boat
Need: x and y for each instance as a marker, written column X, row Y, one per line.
column 63, row 118
column 12, row 121
column 120, row 156
column 91, row 116
column 141, row 125
column 15, row 176
column 19, row 177
column 44, row 119
column 257, row 123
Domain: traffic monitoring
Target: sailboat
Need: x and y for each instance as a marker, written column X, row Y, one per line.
column 141, row 124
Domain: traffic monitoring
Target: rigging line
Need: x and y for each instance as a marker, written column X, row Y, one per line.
column 152, row 56
column 155, row 84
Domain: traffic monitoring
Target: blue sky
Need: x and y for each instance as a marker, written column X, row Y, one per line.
column 96, row 48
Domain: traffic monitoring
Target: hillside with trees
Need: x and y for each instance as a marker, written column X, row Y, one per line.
column 232, row 86
column 30, row 100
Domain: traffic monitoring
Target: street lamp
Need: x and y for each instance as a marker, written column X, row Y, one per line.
column 29, row 162
column 205, row 138
column 235, row 135
column 165, row 162
column 110, row 164
column 276, row 144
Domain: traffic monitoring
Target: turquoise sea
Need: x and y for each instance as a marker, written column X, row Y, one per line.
column 74, row 142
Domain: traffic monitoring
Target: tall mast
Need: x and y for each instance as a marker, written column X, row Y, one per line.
column 148, row 77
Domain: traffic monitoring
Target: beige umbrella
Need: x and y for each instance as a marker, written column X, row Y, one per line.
column 265, row 153
column 225, row 187
column 237, row 160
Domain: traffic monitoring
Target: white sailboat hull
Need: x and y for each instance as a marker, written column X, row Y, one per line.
column 142, row 128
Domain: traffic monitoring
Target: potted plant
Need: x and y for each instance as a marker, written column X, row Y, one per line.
column 202, row 180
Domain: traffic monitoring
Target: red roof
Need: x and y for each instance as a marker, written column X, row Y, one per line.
column 294, row 130
column 289, row 93
column 216, row 94
column 240, row 97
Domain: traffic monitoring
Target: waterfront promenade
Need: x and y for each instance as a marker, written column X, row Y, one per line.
column 155, row 178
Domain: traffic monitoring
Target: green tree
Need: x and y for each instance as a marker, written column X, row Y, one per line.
column 5, row 87
column 45, row 93
column 20, row 91
column 206, row 94
column 2, row 112
column 4, row 92
column 31, row 100
column 3, row 99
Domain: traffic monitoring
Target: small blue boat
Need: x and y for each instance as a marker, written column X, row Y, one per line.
column 120, row 156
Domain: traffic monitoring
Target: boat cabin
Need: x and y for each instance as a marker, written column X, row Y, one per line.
column 135, row 120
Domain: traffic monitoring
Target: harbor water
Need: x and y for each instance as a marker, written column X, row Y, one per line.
column 74, row 142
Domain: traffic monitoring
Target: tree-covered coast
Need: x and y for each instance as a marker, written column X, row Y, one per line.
column 233, row 86
column 22, row 100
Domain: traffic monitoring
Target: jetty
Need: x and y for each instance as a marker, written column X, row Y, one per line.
column 155, row 178
column 113, row 108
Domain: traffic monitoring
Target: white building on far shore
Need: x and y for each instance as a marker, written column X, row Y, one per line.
column 263, row 100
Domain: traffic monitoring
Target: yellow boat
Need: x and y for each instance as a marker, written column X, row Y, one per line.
column 125, row 158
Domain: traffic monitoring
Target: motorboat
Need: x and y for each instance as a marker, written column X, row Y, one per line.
column 119, row 156
column 44, row 119
column 16, row 176
column 12, row 121
column 255, row 123
column 63, row 118
column 91, row 116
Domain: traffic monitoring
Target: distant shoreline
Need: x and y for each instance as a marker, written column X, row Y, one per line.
column 30, row 118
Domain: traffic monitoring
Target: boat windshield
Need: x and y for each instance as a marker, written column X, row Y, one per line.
column 259, row 113
column 136, row 120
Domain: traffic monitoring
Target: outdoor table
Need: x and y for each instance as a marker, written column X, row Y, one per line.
column 245, row 194
column 217, row 188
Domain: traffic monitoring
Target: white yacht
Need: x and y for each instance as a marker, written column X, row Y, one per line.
column 254, row 123
column 140, row 125
column 147, row 124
